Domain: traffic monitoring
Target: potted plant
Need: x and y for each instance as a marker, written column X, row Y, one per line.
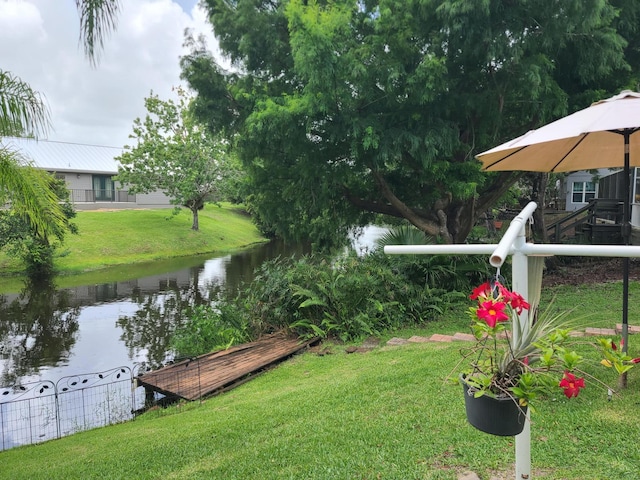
column 512, row 367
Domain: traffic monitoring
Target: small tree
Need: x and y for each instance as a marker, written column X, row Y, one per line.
column 175, row 154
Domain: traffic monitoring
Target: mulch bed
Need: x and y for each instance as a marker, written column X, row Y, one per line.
column 580, row 271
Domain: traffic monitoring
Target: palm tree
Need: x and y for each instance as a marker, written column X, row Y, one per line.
column 23, row 111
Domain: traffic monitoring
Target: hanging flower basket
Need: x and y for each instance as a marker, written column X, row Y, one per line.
column 497, row 416
column 510, row 367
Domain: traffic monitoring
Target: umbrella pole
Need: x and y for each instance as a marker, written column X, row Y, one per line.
column 626, row 237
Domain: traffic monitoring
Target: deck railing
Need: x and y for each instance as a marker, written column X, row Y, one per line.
column 94, row 196
column 592, row 219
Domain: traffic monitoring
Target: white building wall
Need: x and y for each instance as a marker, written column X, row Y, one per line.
column 581, row 176
column 79, row 181
column 81, row 184
column 155, row 198
column 571, row 179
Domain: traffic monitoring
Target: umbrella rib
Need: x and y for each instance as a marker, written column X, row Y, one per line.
column 622, row 131
column 504, row 158
column 584, row 135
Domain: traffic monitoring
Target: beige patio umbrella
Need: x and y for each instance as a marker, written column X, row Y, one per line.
column 599, row 136
column 588, row 139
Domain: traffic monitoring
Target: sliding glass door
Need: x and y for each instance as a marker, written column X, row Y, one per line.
column 103, row 188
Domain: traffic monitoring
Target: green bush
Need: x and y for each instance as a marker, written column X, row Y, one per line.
column 210, row 328
column 344, row 298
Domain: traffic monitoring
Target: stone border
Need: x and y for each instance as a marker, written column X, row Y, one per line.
column 467, row 337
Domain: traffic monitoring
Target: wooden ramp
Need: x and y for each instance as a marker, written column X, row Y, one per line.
column 215, row 372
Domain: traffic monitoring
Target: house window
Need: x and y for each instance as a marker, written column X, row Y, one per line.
column 583, row 192
column 103, row 188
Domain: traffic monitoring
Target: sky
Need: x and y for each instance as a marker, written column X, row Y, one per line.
column 97, row 105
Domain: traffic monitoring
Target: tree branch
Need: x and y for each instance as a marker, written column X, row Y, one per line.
column 498, row 187
column 436, row 229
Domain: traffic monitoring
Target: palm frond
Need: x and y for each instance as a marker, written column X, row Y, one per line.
column 23, row 110
column 98, row 19
column 403, row 235
column 30, row 192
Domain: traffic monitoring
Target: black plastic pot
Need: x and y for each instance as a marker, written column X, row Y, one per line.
column 497, row 416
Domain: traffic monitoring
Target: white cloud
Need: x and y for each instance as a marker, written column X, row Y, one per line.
column 39, row 43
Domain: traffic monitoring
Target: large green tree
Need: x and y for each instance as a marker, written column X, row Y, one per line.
column 176, row 154
column 346, row 108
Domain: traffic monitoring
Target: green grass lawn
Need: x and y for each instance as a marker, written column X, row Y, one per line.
column 124, row 237
column 597, row 305
column 390, row 413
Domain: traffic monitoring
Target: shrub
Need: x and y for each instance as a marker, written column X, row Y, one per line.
column 345, row 298
column 210, row 328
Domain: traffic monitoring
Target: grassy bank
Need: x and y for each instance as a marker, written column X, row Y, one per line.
column 124, row 237
column 387, row 414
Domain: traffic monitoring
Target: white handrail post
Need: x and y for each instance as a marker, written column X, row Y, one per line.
column 520, row 278
column 513, row 241
column 516, row 229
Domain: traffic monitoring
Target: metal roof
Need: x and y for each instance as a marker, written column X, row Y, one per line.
column 65, row 157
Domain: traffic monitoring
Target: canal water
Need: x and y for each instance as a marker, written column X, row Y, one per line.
column 48, row 333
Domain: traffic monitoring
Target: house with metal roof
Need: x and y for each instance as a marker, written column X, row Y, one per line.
column 88, row 171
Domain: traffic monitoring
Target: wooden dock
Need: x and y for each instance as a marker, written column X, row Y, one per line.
column 216, row 372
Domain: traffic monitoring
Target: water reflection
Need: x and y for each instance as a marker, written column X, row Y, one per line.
column 149, row 330
column 47, row 333
column 232, row 270
column 39, row 327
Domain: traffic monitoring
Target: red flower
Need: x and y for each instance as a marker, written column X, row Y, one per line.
column 613, row 346
column 518, row 303
column 492, row 312
column 571, row 384
column 504, row 291
column 483, row 290
column 635, row 360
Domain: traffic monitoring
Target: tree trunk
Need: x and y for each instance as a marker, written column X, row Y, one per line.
column 196, row 225
column 448, row 219
column 539, row 188
column 465, row 214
